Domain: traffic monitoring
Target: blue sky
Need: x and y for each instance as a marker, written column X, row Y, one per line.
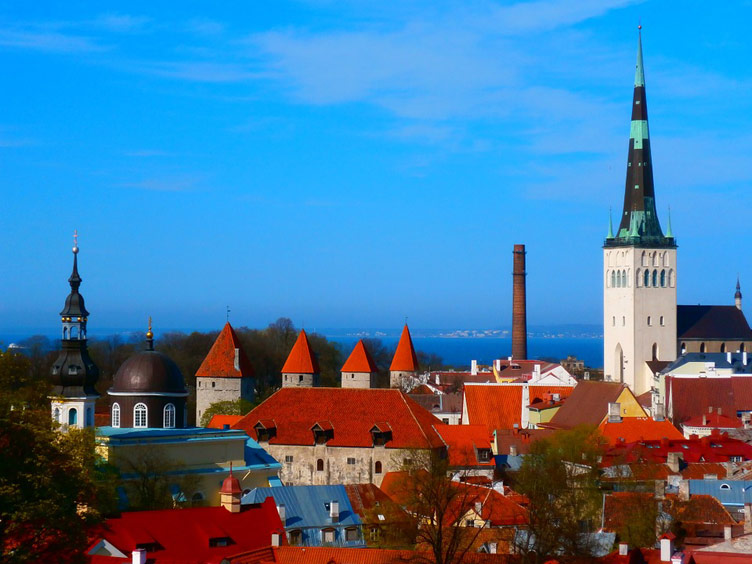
column 350, row 165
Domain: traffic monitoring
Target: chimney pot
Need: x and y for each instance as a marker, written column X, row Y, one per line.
column 275, row 539
column 667, row 550
column 623, row 549
column 334, row 511
column 282, row 510
column 138, row 556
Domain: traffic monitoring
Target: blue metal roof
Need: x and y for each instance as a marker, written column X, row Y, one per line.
column 728, row 492
column 308, row 506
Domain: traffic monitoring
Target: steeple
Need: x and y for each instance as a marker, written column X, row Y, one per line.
column 738, row 295
column 74, row 374
column 639, row 224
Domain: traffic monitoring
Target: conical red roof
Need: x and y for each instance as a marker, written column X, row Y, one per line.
column 360, row 360
column 231, row 484
column 220, row 362
column 404, row 357
column 301, row 359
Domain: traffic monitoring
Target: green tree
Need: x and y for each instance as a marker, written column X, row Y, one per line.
column 51, row 490
column 560, row 479
column 228, row 407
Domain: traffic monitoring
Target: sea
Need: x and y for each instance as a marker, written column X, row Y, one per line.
column 457, row 351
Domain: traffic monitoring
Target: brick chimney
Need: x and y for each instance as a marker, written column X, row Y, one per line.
column 519, row 307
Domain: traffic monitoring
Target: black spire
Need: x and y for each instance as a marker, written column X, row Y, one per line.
column 639, row 223
column 74, row 374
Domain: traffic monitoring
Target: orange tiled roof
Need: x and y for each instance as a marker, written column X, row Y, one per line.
column 499, row 406
column 301, row 359
column 360, row 360
column 463, row 442
column 631, row 429
column 338, row 555
column 404, row 357
column 352, row 413
column 220, row 362
column 218, row 421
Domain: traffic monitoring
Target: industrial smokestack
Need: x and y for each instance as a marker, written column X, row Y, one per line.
column 519, row 307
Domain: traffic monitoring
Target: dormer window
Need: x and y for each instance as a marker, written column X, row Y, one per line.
column 220, row 541
column 381, row 433
column 323, row 431
column 484, row 454
column 266, row 429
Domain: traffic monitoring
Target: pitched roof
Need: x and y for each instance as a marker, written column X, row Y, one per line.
column 587, row 404
column 712, row 322
column 221, row 360
column 360, row 360
column 716, row 447
column 307, row 506
column 337, row 555
column 218, row 421
column 499, row 406
column 353, row 412
column 631, row 429
column 301, row 359
column 404, row 357
column 369, row 501
column 463, row 442
column 689, row 397
column 184, row 535
column 713, row 420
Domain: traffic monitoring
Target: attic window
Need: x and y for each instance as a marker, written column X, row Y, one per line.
column 484, row 454
column 220, row 541
column 725, row 487
column 322, row 433
column 265, row 432
column 380, row 438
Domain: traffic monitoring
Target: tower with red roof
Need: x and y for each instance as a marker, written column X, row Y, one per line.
column 359, row 370
column 301, row 369
column 225, row 375
column 405, row 362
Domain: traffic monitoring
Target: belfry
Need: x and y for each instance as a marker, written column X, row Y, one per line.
column 639, row 266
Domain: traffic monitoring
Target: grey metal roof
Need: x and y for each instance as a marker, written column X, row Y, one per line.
column 719, row 359
column 728, row 492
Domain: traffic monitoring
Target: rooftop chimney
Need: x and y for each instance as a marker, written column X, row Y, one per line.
column 667, row 548
column 334, row 510
column 282, row 514
column 473, row 367
column 275, row 539
column 519, row 308
column 623, row 549
column 138, row 556
column 614, row 412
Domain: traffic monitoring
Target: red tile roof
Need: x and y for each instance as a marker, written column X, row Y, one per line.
column 631, row 429
column 184, row 535
column 219, row 421
column 521, row 439
column 587, row 404
column 352, row 412
column 404, row 357
column 499, row 406
column 464, row 441
column 713, row 421
column 336, row 555
column 360, row 360
column 690, row 397
column 220, row 362
column 301, row 359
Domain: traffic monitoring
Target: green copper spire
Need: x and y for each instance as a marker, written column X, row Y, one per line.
column 669, row 233
column 639, row 75
column 610, row 226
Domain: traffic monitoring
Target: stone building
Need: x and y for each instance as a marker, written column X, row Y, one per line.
column 359, row 370
column 404, row 367
column 225, row 374
column 341, row 435
column 301, row 369
column 74, row 374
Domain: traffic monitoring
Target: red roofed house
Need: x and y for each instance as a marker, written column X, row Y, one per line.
column 225, row 375
column 190, row 536
column 359, row 370
column 301, row 369
column 505, row 406
column 219, row 420
column 469, row 448
column 702, row 425
column 592, row 402
column 631, row 429
column 341, row 435
column 405, row 362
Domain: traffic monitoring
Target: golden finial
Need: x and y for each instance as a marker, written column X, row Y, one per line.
column 149, row 334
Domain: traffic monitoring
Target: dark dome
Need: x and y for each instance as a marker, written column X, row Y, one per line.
column 151, row 372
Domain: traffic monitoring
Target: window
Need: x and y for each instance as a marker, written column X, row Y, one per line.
column 139, row 415
column 741, row 347
column 377, row 467
column 213, row 384
column 288, row 458
column 484, row 455
column 197, row 498
column 56, row 414
column 613, row 279
column 320, row 465
column 650, row 321
column 655, row 278
column 735, row 458
column 613, row 321
column 295, row 537
column 702, row 347
column 646, row 282
column 116, row 415
column 623, row 321
column 662, row 321
column 445, row 420
column 725, row 487
column 663, row 278
column 683, row 348
column 351, row 461
column 169, row 416
column 374, row 533
column 723, row 347
column 327, row 535
column 623, row 278
column 655, row 351
column 300, row 378
column 72, row 416
column 351, row 534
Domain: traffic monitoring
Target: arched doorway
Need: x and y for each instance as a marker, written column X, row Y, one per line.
column 619, row 364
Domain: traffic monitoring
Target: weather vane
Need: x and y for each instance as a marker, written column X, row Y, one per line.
column 228, row 314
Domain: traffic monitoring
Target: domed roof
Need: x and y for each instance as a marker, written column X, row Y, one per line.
column 149, row 371
column 231, row 485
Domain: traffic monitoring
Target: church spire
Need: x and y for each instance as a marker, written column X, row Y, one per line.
column 639, row 221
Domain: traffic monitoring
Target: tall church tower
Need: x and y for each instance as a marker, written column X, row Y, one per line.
column 639, row 267
column 74, row 374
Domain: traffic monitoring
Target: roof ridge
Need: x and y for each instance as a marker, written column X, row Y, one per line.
column 404, row 400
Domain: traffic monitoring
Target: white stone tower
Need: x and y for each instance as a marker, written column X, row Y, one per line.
column 639, row 268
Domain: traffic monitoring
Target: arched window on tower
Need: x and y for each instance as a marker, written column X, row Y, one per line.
column 56, row 414
column 655, row 259
column 72, row 416
column 644, row 260
column 623, row 278
column 655, row 351
column 723, row 347
column 741, row 347
column 65, row 333
column 663, row 278
column 702, row 347
column 115, row 415
column 655, row 278
column 320, row 465
column 169, row 416
column 647, row 278
column 671, row 279
column 683, row 348
column 74, row 332
column 377, row 467
column 613, row 279
column 139, row 416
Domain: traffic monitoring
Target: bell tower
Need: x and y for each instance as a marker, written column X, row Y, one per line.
column 74, row 374
column 639, row 267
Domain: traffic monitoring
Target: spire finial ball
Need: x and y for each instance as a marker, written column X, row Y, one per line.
column 639, row 26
